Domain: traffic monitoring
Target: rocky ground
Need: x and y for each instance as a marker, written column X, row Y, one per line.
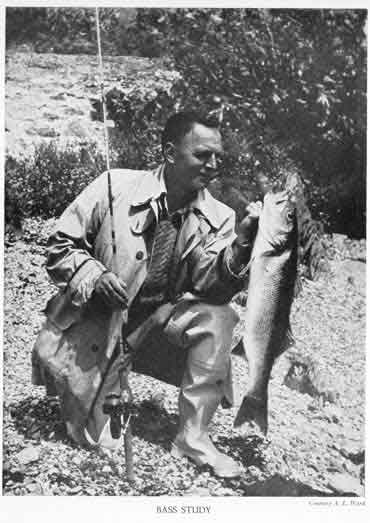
column 315, row 444
column 48, row 96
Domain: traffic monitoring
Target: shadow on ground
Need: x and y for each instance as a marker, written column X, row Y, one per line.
column 247, row 450
column 154, row 424
column 39, row 419
column 279, row 486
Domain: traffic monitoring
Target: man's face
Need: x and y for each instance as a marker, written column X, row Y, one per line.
column 196, row 159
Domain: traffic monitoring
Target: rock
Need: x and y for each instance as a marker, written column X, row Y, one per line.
column 35, row 433
column 362, row 475
column 158, row 399
column 197, row 491
column 356, row 455
column 77, row 460
column 59, row 96
column 222, row 491
column 35, row 489
column 78, row 129
column 309, row 376
column 28, row 455
column 345, row 484
column 47, row 132
column 278, row 485
column 333, row 413
column 6, row 467
column 75, row 490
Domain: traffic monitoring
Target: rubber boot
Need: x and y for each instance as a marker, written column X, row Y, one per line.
column 206, row 376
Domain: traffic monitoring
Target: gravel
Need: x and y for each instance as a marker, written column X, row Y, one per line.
column 315, row 444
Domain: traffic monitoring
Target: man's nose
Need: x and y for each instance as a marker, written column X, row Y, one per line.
column 212, row 162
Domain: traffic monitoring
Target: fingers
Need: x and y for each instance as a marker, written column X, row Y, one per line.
column 163, row 313
column 254, row 209
column 112, row 290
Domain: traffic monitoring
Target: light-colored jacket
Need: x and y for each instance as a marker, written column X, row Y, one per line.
column 73, row 347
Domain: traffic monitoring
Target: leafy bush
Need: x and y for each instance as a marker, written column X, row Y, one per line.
column 140, row 112
column 67, row 30
column 290, row 80
column 44, row 184
column 291, row 84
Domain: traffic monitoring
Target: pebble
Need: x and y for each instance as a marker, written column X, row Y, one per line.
column 28, row 455
column 333, row 413
column 342, row 484
column 77, row 460
column 35, row 489
column 75, row 490
column 356, row 455
column 197, row 491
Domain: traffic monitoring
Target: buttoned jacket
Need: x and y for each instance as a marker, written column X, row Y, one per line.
column 80, row 249
column 73, row 346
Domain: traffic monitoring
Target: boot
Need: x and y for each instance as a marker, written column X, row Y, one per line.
column 199, row 398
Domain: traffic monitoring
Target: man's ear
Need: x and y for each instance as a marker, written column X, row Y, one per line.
column 169, row 152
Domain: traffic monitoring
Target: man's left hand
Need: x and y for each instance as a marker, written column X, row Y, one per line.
column 247, row 229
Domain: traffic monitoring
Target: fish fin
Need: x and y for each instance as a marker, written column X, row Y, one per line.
column 252, row 410
column 289, row 338
column 287, row 342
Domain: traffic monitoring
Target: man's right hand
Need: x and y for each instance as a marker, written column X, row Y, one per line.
column 112, row 290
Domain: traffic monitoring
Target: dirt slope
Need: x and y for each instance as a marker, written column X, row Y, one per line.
column 47, row 96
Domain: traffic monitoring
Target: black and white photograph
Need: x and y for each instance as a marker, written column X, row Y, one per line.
column 184, row 254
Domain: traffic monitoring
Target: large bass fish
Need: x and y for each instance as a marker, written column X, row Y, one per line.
column 273, row 273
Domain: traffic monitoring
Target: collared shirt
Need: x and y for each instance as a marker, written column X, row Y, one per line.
column 148, row 193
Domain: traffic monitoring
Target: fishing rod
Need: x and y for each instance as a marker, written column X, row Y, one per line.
column 116, row 406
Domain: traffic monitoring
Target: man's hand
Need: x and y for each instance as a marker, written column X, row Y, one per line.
column 112, row 290
column 248, row 226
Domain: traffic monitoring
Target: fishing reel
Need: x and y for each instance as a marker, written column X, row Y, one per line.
column 118, row 408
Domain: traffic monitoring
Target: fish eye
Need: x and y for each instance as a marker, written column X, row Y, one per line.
column 290, row 215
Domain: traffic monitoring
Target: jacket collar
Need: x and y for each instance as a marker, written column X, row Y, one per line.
column 207, row 206
column 152, row 186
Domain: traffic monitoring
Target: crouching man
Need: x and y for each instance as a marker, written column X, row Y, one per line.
column 180, row 262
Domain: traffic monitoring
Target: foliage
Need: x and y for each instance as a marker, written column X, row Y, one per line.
column 291, row 84
column 139, row 112
column 64, row 30
column 45, row 183
column 295, row 82
column 293, row 98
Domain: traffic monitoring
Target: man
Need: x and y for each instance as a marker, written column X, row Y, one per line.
column 205, row 266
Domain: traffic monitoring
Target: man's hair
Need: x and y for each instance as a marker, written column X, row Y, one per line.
column 179, row 124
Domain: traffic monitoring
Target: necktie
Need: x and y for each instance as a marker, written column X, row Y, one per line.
column 159, row 281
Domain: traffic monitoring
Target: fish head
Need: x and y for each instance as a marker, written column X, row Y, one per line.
column 278, row 219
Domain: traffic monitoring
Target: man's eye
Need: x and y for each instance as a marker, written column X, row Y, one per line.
column 204, row 157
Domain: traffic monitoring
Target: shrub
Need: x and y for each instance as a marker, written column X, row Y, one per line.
column 45, row 183
column 292, row 84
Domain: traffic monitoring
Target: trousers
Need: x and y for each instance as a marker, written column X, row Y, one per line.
column 202, row 334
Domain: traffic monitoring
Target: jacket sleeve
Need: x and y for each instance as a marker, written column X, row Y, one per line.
column 210, row 261
column 70, row 260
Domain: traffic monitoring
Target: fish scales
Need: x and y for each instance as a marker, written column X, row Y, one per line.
column 273, row 272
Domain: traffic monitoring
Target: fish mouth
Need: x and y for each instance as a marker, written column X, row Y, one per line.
column 278, row 220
